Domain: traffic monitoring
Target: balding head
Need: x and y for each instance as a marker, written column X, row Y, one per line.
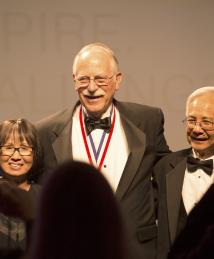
column 207, row 90
column 96, row 47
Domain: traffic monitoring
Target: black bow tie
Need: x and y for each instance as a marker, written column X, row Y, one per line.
column 91, row 124
column 194, row 163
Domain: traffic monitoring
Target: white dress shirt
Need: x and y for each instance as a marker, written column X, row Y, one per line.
column 117, row 153
column 195, row 186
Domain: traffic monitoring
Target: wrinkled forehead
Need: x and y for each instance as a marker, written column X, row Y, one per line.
column 94, row 55
column 202, row 104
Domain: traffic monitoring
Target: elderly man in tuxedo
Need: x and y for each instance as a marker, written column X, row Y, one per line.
column 123, row 140
column 183, row 177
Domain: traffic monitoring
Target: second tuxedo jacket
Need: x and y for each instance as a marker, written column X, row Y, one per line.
column 143, row 126
column 169, row 176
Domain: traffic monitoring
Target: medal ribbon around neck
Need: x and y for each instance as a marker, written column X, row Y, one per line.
column 96, row 154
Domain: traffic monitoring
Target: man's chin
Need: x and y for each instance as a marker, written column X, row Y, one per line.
column 203, row 151
column 199, row 147
column 95, row 110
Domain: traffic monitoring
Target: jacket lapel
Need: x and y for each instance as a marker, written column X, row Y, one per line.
column 136, row 141
column 62, row 137
column 62, row 145
column 174, row 184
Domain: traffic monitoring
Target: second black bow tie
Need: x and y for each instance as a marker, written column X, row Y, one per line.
column 92, row 124
column 194, row 163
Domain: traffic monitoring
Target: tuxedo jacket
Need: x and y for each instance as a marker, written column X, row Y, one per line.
column 169, row 175
column 196, row 239
column 143, row 127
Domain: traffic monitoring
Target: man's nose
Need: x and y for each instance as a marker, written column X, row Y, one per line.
column 198, row 128
column 92, row 87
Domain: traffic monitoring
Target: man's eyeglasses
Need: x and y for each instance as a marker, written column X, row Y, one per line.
column 205, row 124
column 10, row 150
column 84, row 81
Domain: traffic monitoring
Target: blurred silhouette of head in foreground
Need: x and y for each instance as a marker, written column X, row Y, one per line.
column 78, row 216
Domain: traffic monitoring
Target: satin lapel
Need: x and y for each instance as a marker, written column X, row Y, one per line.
column 62, row 144
column 174, row 184
column 136, row 141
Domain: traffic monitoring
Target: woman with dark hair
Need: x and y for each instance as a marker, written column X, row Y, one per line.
column 78, row 217
column 20, row 166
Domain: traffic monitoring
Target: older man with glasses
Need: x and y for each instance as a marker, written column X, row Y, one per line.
column 183, row 177
column 123, row 140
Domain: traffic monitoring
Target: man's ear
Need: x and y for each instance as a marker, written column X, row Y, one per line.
column 119, row 78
